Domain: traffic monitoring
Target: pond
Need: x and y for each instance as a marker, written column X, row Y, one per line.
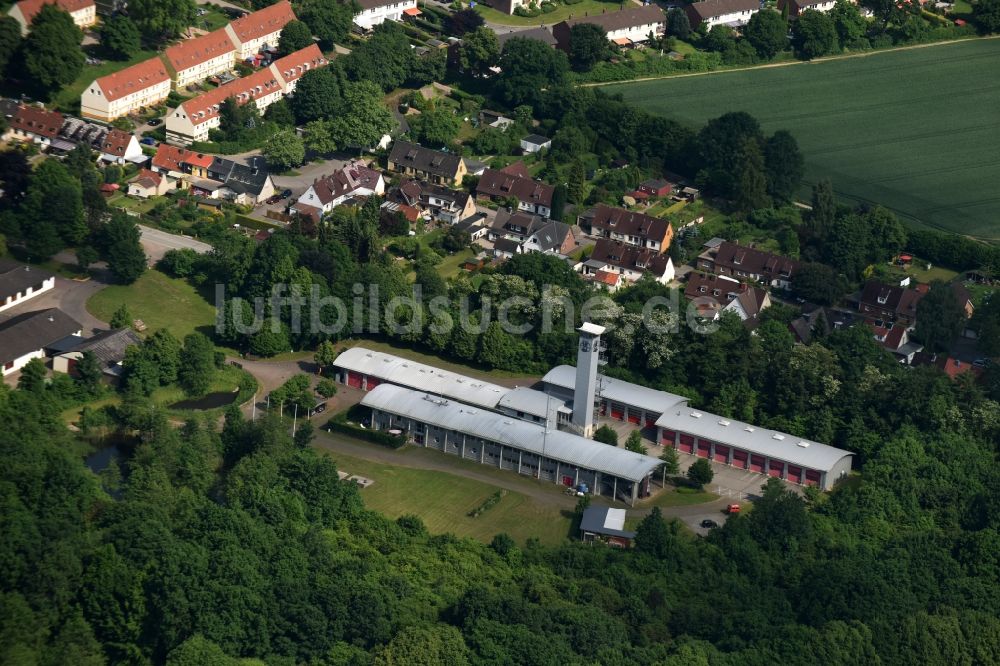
column 210, row 401
column 99, row 460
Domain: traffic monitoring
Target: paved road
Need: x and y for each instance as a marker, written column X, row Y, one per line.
column 156, row 243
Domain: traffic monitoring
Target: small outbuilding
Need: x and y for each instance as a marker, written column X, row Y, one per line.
column 604, row 524
column 534, row 143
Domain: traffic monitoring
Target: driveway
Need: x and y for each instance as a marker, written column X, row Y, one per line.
column 157, row 243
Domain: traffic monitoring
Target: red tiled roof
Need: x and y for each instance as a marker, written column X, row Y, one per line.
column 38, row 121
column 116, row 142
column 627, row 223
column 519, row 169
column 264, row 22
column 703, row 285
column 243, row 90
column 348, row 180
column 193, row 52
column 30, row 8
column 147, row 178
column 171, row 158
column 294, row 65
column 499, row 184
column 953, row 367
column 132, row 79
column 604, row 277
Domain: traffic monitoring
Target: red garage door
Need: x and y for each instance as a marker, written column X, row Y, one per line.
column 721, row 453
column 354, row 379
column 812, row 477
column 617, row 412
column 794, row 474
column 650, row 421
column 667, row 437
column 740, row 458
column 634, row 416
column 371, row 383
column 757, row 464
column 686, row 444
column 775, row 469
column 702, row 449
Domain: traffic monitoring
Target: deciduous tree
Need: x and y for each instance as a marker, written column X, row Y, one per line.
column 197, row 365
column 294, row 36
column 52, row 54
column 159, row 20
column 527, row 67
column 329, row 20
column 940, row 318
column 480, row 50
column 284, row 150
column 678, row 24
column 10, row 40
column 464, row 22
column 588, row 45
column 814, row 35
column 605, row 434
column 436, row 127
column 700, row 472
column 767, row 32
column 784, row 165
column 120, row 38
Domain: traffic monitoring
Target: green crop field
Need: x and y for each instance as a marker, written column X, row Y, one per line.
column 916, row 130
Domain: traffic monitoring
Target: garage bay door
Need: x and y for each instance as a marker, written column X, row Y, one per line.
column 354, row 379
column 812, row 477
column 703, row 448
column 757, row 464
column 667, row 437
column 650, row 421
column 721, row 453
column 617, row 412
column 740, row 458
column 371, row 383
column 634, row 416
column 794, row 474
column 776, row 468
column 686, row 444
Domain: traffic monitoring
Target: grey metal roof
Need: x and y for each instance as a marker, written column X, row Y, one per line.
column 604, row 520
column 530, row 401
column 616, row 390
column 770, row 443
column 490, row 426
column 109, row 346
column 405, row 372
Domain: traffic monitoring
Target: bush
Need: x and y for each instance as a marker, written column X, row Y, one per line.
column 326, row 388
column 487, row 504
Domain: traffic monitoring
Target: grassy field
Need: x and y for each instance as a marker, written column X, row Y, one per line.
column 442, row 501
column 561, row 13
column 914, row 130
column 160, row 301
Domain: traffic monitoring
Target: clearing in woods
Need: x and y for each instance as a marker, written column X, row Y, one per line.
column 916, row 130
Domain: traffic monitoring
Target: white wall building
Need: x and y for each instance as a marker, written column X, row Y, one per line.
column 20, row 282
column 83, row 12
column 194, row 60
column 374, row 12
column 144, row 84
column 26, row 336
column 192, row 120
column 734, row 13
column 253, row 32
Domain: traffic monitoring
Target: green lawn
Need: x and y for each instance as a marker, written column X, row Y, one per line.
column 68, row 99
column 442, row 501
column 561, row 13
column 914, row 130
column 160, row 301
column 451, row 265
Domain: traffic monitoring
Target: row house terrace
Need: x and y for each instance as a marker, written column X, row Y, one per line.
column 142, row 85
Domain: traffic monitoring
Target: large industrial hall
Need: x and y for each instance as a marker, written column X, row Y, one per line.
column 510, row 427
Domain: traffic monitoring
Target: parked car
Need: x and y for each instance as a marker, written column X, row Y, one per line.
column 709, row 524
column 273, row 199
column 154, row 122
column 147, row 141
column 318, row 409
column 287, row 193
column 733, row 509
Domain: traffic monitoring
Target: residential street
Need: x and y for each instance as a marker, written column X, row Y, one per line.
column 157, row 243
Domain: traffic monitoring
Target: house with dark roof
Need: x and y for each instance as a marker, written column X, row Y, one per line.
column 817, row 320
column 625, row 226
column 713, row 287
column 748, row 305
column 434, row 201
column 541, row 33
column 108, row 346
column 505, row 7
column 355, row 179
column 747, row 262
column 888, row 303
column 532, row 196
column 628, row 261
column 732, row 13
column 20, row 282
column 656, row 187
column 434, row 166
column 606, row 525
column 514, row 232
column 632, row 25
column 245, row 183
column 32, row 335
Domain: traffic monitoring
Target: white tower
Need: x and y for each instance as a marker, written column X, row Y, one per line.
column 588, row 360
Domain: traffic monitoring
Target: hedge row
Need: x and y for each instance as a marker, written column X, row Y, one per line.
column 339, row 424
